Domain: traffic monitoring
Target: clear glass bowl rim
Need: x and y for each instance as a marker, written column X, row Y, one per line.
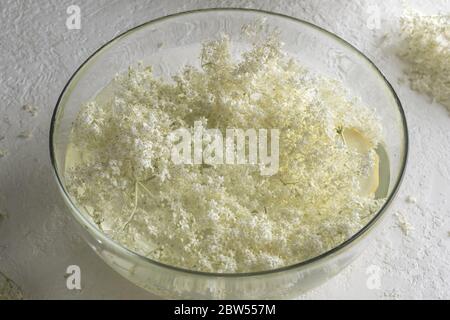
column 85, row 221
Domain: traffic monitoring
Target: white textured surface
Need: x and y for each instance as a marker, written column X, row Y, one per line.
column 38, row 54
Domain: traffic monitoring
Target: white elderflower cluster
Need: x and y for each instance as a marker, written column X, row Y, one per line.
column 426, row 50
column 227, row 218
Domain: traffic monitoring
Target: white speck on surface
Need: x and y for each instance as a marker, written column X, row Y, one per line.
column 3, row 153
column 392, row 294
column 25, row 134
column 411, row 199
column 30, row 109
column 404, row 224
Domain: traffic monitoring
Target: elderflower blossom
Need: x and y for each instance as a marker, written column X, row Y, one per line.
column 225, row 218
column 426, row 50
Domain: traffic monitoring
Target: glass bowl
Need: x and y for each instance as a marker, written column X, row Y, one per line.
column 173, row 41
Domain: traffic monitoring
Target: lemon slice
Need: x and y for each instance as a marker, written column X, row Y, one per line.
column 356, row 141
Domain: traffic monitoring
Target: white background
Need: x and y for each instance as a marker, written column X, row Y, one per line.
column 38, row 55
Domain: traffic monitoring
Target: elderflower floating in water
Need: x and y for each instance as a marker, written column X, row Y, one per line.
column 227, row 217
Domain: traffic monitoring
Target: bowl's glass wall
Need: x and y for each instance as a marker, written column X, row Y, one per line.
column 172, row 42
